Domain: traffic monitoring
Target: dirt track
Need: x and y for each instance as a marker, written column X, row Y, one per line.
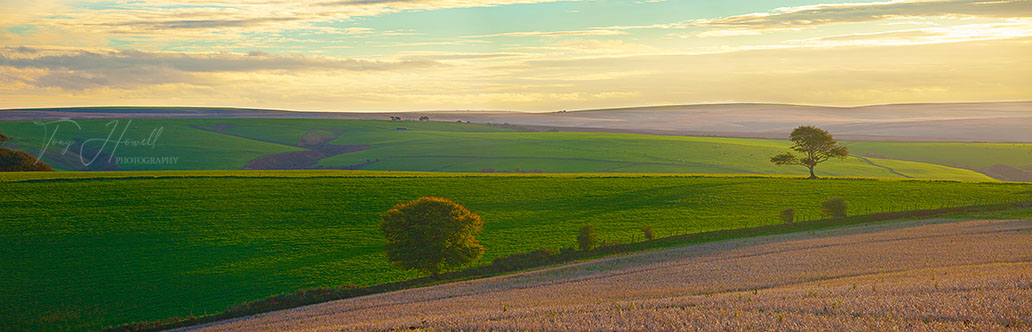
column 924, row 275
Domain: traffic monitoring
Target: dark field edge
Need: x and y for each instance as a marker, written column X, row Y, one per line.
column 417, row 174
column 543, row 258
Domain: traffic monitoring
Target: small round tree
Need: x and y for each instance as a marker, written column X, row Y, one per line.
column 586, row 237
column 834, row 208
column 787, row 215
column 431, row 235
column 649, row 235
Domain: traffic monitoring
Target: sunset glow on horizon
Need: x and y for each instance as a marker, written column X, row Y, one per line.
column 519, row 55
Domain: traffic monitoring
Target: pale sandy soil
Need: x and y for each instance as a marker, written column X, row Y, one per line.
column 912, row 276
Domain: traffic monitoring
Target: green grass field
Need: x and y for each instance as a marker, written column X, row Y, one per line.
column 194, row 149
column 88, row 250
column 963, row 155
column 229, row 144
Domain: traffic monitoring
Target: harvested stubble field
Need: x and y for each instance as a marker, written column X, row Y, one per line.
column 919, row 276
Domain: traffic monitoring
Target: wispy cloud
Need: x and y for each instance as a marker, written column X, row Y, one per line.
column 352, row 54
column 825, row 14
column 202, row 24
column 432, row 55
column 119, row 68
column 916, row 34
column 952, row 34
column 789, row 18
column 163, row 15
column 589, row 32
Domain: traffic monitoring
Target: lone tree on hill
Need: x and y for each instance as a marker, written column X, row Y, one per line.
column 815, row 145
column 19, row 161
column 431, row 235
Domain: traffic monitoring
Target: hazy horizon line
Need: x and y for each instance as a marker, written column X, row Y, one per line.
column 470, row 111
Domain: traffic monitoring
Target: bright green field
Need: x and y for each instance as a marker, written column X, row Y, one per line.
column 964, row 155
column 194, row 149
column 87, row 250
column 452, row 147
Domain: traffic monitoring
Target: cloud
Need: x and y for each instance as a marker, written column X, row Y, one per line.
column 890, row 35
column 818, row 15
column 180, row 17
column 825, row 14
column 952, row 34
column 201, row 24
column 977, row 70
column 85, row 69
column 394, row 5
column 456, row 55
column 724, row 33
column 590, row 32
column 861, row 74
column 577, row 45
column 437, row 43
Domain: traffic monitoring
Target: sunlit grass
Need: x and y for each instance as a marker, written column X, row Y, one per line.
column 103, row 248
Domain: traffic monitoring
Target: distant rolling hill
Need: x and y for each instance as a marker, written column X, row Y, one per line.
column 937, row 122
column 233, row 144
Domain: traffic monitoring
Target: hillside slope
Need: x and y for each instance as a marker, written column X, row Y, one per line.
column 953, row 276
column 227, row 144
column 950, row 122
column 95, row 249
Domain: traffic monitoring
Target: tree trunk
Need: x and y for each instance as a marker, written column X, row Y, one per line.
column 812, row 176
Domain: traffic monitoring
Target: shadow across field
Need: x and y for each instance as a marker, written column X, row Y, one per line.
column 929, row 275
column 317, row 141
column 544, row 257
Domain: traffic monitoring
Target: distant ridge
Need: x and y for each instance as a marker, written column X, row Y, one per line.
column 1003, row 121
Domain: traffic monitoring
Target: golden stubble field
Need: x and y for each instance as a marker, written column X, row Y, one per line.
column 916, row 276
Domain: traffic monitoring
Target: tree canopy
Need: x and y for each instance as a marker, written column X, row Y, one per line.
column 815, row 145
column 431, row 235
column 586, row 237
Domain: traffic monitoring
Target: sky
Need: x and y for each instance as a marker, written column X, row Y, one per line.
column 518, row 55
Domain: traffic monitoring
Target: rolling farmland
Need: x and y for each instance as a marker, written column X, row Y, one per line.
column 232, row 144
column 953, row 276
column 87, row 250
column 443, row 165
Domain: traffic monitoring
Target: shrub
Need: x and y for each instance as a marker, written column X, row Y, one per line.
column 787, row 215
column 834, row 208
column 648, row 232
column 431, row 234
column 523, row 260
column 586, row 237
